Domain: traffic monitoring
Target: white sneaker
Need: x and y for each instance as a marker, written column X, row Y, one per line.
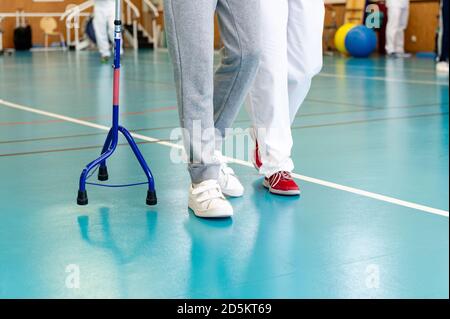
column 403, row 55
column 207, row 201
column 229, row 183
column 442, row 67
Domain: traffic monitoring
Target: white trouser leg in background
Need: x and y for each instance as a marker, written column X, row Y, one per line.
column 395, row 29
column 104, row 16
column 104, row 26
column 291, row 56
column 400, row 36
column 111, row 31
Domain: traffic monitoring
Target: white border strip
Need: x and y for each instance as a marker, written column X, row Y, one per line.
column 344, row 188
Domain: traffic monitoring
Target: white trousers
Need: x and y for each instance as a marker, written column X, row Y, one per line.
column 291, row 57
column 395, row 29
column 104, row 12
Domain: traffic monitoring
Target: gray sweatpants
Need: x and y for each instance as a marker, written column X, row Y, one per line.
column 208, row 102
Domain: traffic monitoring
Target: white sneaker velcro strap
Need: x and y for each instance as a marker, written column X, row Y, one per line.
column 208, row 191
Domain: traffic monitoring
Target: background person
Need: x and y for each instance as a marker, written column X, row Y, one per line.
column 398, row 15
column 104, row 12
column 442, row 65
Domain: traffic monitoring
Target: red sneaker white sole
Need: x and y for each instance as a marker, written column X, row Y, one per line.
column 292, row 192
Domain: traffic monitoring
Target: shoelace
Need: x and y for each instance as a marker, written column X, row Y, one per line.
column 283, row 175
column 208, row 191
column 286, row 175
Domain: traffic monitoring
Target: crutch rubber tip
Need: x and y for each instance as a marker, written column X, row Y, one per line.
column 82, row 198
column 151, row 198
column 102, row 173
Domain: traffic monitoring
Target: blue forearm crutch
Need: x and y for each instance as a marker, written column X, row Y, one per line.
column 113, row 134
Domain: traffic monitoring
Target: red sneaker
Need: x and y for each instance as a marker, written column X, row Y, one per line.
column 256, row 157
column 281, row 183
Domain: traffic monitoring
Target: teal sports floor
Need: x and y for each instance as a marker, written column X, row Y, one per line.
column 371, row 154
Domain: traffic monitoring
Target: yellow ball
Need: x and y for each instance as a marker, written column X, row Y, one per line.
column 339, row 38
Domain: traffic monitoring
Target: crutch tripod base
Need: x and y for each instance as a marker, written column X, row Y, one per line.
column 112, row 138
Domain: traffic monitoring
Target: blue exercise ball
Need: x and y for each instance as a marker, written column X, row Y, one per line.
column 361, row 41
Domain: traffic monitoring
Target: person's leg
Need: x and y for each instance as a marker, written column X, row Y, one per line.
column 305, row 56
column 400, row 35
column 101, row 29
column 268, row 100
column 240, row 34
column 239, row 29
column 190, row 31
column 445, row 32
column 392, row 29
column 442, row 65
column 190, row 36
column 111, row 18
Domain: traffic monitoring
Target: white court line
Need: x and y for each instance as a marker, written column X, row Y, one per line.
column 344, row 188
column 380, row 78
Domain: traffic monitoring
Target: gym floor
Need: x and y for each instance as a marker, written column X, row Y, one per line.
column 371, row 155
